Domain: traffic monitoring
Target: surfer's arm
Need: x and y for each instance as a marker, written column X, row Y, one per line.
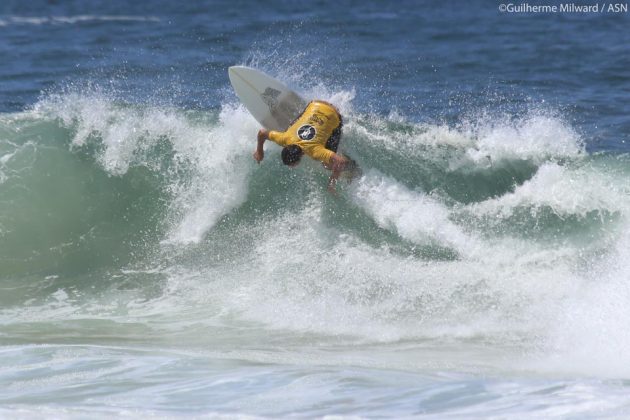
column 337, row 164
column 259, row 154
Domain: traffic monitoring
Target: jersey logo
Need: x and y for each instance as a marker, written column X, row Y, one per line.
column 306, row 132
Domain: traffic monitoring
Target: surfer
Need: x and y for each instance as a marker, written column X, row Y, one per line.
column 316, row 132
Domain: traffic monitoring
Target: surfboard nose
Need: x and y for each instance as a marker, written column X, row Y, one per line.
column 271, row 102
column 237, row 71
column 231, row 72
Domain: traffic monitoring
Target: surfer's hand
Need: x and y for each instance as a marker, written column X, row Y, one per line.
column 332, row 186
column 259, row 155
column 338, row 163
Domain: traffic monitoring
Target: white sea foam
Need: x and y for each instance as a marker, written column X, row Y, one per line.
column 411, row 141
column 534, row 137
column 475, row 144
column 590, row 335
column 222, row 168
column 413, row 215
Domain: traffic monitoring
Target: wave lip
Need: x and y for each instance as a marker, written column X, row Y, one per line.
column 535, row 137
column 207, row 159
column 566, row 191
column 413, row 215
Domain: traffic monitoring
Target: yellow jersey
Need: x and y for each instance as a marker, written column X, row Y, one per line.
column 311, row 131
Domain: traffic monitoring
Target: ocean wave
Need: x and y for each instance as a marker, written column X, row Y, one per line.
column 71, row 20
column 211, row 152
column 180, row 226
column 564, row 190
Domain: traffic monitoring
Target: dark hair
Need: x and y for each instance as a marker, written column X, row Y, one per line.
column 291, row 154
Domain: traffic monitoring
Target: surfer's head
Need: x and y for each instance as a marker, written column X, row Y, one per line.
column 291, row 155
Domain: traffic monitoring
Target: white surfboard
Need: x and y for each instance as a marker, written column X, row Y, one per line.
column 270, row 101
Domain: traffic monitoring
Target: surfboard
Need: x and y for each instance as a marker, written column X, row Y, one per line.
column 271, row 102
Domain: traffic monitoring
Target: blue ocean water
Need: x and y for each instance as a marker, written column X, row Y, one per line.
column 479, row 267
